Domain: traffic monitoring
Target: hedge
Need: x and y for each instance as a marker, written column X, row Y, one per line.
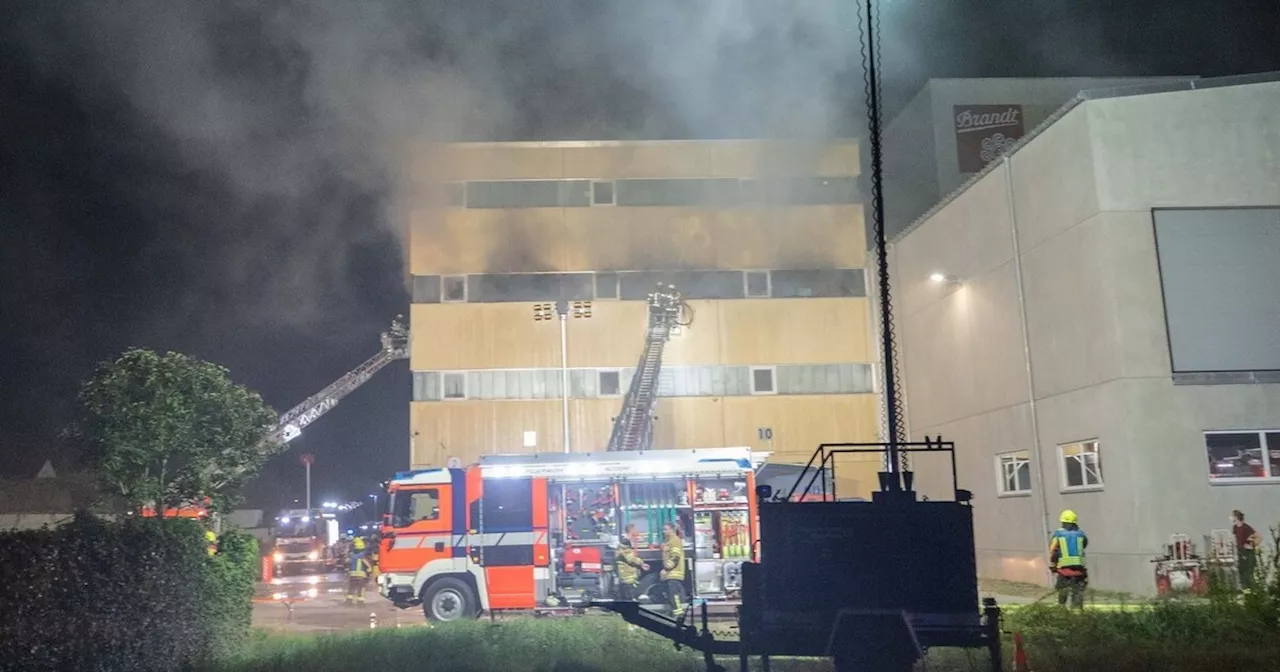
column 135, row 594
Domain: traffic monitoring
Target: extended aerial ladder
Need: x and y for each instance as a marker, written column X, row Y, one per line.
column 633, row 428
column 395, row 345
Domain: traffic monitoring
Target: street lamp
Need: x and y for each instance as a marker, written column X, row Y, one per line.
column 543, row 312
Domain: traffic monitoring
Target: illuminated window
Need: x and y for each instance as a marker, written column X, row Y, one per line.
column 1013, row 473
column 1243, row 455
column 1081, row 465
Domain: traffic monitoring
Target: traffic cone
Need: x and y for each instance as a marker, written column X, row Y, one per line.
column 1019, row 654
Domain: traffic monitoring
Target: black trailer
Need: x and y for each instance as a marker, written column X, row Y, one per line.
column 872, row 585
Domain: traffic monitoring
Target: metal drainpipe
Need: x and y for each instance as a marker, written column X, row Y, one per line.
column 1026, row 351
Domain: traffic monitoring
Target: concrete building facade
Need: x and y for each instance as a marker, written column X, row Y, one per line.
column 1094, row 319
column 763, row 239
column 953, row 128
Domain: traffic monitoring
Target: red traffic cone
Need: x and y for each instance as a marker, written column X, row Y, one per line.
column 1019, row 654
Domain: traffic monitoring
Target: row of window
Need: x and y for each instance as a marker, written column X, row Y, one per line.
column 636, row 285
column 673, row 381
column 1233, row 456
column 698, row 192
column 1080, row 462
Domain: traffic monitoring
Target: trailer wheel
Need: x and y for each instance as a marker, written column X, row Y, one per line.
column 447, row 600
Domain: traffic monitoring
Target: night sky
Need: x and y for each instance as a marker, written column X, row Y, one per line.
column 224, row 180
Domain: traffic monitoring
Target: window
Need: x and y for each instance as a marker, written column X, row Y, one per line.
column 1243, row 455
column 762, row 380
column 602, row 193
column 412, row 506
column 756, row 283
column 606, row 285
column 507, row 504
column 455, row 385
column 610, row 383
column 529, row 194
column 1014, row 473
column 456, row 194
column 1081, row 465
column 455, row 288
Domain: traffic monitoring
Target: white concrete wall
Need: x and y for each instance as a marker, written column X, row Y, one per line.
column 1081, row 198
column 920, row 143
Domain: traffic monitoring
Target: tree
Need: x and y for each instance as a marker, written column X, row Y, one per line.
column 170, row 430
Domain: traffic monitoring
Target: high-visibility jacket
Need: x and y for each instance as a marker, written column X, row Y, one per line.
column 628, row 563
column 211, row 542
column 359, row 567
column 1067, row 548
column 673, row 558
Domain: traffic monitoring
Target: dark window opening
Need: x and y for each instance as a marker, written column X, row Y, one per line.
column 610, row 383
column 455, row 288
column 602, row 193
column 606, row 285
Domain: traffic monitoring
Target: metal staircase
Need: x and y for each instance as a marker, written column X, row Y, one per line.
column 633, row 428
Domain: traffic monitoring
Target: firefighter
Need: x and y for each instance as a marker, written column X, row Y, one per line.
column 628, row 564
column 1066, row 560
column 672, row 574
column 358, row 569
column 211, row 542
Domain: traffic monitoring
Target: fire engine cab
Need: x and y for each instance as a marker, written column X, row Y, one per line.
column 538, row 532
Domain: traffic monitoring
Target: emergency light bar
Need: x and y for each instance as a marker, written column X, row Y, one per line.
column 640, row 463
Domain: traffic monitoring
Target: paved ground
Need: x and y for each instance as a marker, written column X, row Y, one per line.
column 329, row 614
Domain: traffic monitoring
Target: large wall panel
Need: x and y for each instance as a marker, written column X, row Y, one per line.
column 458, row 240
column 740, row 331
column 1220, row 278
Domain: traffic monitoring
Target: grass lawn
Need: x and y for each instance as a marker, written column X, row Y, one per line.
column 1166, row 637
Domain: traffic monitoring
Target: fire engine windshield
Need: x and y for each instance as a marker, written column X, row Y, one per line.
column 411, row 506
column 296, row 527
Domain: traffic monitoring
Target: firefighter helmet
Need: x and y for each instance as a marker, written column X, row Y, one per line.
column 1068, row 517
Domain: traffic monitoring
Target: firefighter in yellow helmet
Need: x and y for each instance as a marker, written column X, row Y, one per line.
column 211, row 542
column 672, row 574
column 357, row 572
column 1066, row 559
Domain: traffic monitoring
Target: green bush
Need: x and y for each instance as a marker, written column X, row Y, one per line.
column 138, row 594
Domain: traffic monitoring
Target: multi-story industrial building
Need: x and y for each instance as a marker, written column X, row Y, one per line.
column 763, row 239
column 1093, row 319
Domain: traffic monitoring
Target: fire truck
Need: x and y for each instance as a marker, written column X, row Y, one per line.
column 537, row 532
column 304, row 543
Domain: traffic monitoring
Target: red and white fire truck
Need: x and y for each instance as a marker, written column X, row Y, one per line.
column 538, row 532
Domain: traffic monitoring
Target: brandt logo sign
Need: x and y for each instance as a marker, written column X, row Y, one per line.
column 984, row 132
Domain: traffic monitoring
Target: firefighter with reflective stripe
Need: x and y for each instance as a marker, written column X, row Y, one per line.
column 211, row 542
column 628, row 565
column 672, row 574
column 358, row 571
column 1066, row 559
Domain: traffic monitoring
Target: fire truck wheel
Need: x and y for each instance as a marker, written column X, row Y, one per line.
column 449, row 600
